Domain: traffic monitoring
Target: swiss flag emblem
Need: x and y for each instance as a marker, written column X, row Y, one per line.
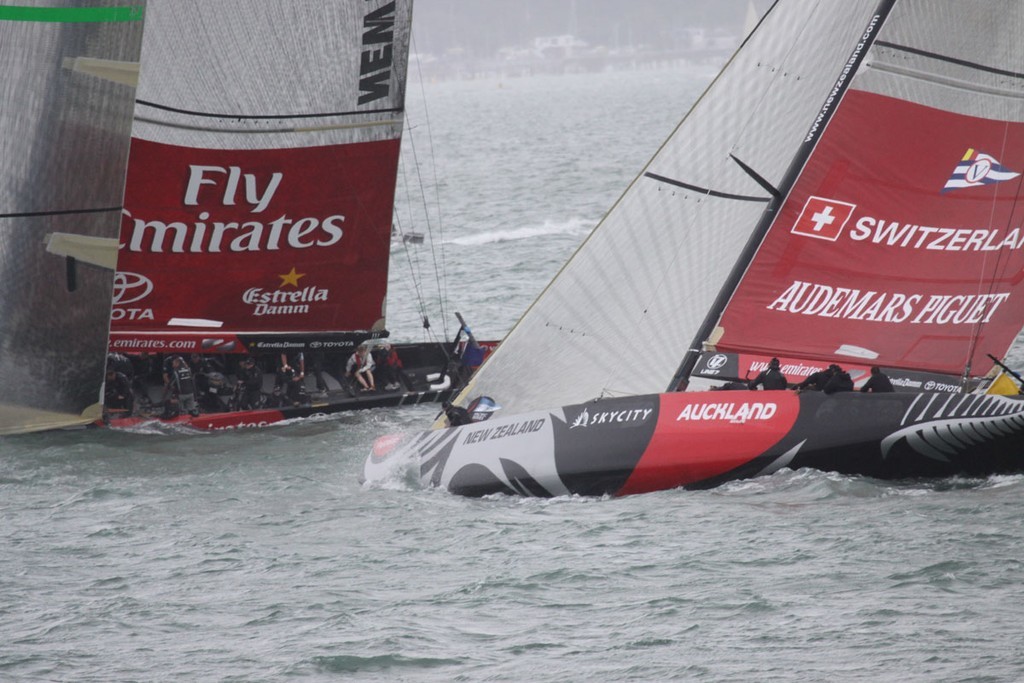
column 823, row 218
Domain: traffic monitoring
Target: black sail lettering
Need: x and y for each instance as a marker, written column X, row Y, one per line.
column 376, row 60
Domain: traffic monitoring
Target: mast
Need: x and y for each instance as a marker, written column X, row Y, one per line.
column 803, row 153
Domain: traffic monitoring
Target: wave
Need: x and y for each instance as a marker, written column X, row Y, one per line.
column 573, row 226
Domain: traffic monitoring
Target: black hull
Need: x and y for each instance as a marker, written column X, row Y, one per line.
column 703, row 439
column 243, row 419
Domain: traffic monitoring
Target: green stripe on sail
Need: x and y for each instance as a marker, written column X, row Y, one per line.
column 70, row 15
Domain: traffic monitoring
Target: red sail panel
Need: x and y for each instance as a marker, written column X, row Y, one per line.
column 901, row 240
column 257, row 241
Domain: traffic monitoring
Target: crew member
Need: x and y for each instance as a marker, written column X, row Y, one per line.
column 360, row 366
column 816, row 381
column 291, row 377
column 181, row 386
column 250, row 385
column 117, row 392
column 457, row 416
column 839, row 381
column 770, row 378
column 878, row 382
column 389, row 366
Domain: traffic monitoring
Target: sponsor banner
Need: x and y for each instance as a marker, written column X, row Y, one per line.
column 181, row 342
column 176, row 343
column 272, row 240
column 745, row 367
column 901, row 240
column 318, row 342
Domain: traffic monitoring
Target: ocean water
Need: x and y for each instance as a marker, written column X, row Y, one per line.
column 258, row 556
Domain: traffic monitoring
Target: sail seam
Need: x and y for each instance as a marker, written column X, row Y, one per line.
column 706, row 191
column 951, row 60
column 278, row 129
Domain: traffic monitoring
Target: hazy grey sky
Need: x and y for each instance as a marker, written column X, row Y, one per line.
column 481, row 27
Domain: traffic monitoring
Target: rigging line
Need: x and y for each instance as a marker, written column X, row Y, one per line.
column 706, row 191
column 1001, row 257
column 321, row 115
column 62, row 212
column 414, row 262
column 441, row 294
column 413, row 269
column 443, row 279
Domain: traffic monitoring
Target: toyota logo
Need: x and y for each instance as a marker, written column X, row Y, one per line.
column 717, row 361
column 131, row 287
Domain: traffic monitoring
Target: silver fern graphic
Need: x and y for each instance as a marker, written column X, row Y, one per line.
column 781, row 461
column 942, row 425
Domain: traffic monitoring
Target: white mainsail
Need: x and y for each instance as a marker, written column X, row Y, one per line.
column 64, row 134
column 649, row 287
column 625, row 309
column 235, row 74
column 262, row 173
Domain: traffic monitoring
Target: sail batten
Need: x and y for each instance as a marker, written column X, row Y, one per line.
column 976, row 66
column 706, row 191
column 958, row 83
column 242, row 117
column 390, row 123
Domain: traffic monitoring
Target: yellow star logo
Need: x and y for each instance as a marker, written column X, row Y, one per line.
column 291, row 278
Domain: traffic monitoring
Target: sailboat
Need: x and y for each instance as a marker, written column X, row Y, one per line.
column 258, row 209
column 846, row 192
column 64, row 134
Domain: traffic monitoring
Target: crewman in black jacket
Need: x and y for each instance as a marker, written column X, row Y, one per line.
column 771, row 378
column 878, row 383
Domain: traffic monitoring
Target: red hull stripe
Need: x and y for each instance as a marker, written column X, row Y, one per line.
column 701, row 436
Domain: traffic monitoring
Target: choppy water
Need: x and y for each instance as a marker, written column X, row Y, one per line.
column 259, row 557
